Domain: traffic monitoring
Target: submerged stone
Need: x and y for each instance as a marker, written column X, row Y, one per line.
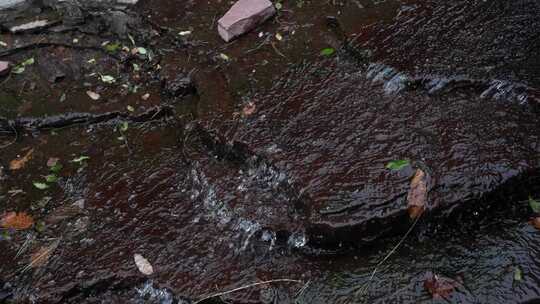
column 243, row 16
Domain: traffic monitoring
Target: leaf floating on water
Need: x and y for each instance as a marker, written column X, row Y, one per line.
column 417, row 196
column 93, row 95
column 143, row 265
column 518, row 275
column 440, row 287
column 535, row 205
column 19, row 221
column 19, row 163
column 397, row 164
column 328, row 52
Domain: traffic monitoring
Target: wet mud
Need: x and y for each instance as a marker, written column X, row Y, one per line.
column 226, row 165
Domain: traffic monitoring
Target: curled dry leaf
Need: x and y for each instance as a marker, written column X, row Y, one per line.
column 536, row 222
column 417, row 196
column 20, row 162
column 249, row 109
column 14, row 220
column 143, row 265
column 93, row 95
column 439, row 286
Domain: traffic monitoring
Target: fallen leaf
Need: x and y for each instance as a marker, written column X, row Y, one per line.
column 62, row 213
column 397, row 164
column 224, row 57
column 130, row 108
column 536, row 222
column 417, row 196
column 41, row 256
column 40, row 185
column 279, row 37
column 80, row 159
column 535, row 205
column 518, row 274
column 143, row 265
column 438, row 286
column 93, row 95
column 145, row 96
column 19, row 163
column 14, row 220
column 327, row 52
column 51, row 178
column 249, row 109
column 184, row 33
column 107, row 79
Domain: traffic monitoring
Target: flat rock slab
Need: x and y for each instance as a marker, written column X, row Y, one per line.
column 243, row 16
column 333, row 130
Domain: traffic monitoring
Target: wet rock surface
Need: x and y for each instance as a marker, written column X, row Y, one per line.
column 267, row 159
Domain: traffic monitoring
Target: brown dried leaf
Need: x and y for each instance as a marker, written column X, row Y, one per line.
column 417, row 197
column 19, row 221
column 41, row 256
column 536, row 222
column 438, row 286
column 20, row 162
column 62, row 213
column 249, row 109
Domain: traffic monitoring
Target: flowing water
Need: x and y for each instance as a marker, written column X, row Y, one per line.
column 275, row 169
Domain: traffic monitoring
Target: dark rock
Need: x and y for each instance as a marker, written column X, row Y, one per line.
column 182, row 85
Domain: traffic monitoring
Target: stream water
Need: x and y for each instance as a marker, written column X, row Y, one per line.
column 275, row 168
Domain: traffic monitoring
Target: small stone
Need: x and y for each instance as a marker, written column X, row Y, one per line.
column 243, row 16
column 5, row 67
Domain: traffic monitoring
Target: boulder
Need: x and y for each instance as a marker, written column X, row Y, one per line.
column 243, row 16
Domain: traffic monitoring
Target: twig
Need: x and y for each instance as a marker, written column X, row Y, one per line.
column 14, row 140
column 277, row 51
column 366, row 285
column 219, row 294
column 38, row 45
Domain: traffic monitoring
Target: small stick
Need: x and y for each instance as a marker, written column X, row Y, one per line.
column 219, row 294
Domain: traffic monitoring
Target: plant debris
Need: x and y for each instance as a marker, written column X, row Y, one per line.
column 19, row 163
column 18, row 221
column 417, row 196
column 143, row 265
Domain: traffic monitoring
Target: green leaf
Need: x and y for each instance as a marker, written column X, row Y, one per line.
column 142, row 50
column 51, row 178
column 328, row 52
column 18, row 69
column 535, row 205
column 41, row 186
column 56, row 168
column 112, row 47
column 124, row 126
column 28, row 61
column 278, row 6
column 80, row 159
column 397, row 164
column 518, row 275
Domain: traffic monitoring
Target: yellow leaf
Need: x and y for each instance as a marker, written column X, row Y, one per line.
column 19, row 163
